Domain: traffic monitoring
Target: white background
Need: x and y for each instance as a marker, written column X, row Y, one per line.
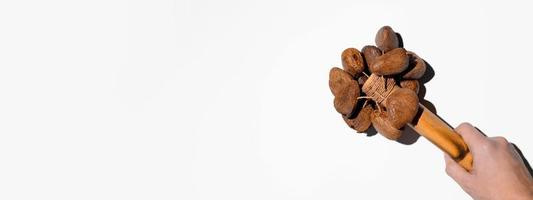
column 230, row 99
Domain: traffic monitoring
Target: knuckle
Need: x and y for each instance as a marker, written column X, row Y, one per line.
column 487, row 145
column 511, row 149
column 463, row 126
column 500, row 140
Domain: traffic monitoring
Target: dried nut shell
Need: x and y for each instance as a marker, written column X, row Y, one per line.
column 362, row 121
column 416, row 68
column 413, row 85
column 339, row 80
column 361, row 80
column 390, row 63
column 402, row 106
column 386, row 39
column 345, row 89
column 352, row 61
column 370, row 53
column 383, row 126
column 345, row 103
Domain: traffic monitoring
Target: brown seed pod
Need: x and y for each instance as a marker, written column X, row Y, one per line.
column 383, row 126
column 386, row 39
column 416, row 68
column 396, row 106
column 362, row 120
column 345, row 90
column 402, row 106
column 352, row 61
column 345, row 103
column 339, row 80
column 361, row 80
column 413, row 85
column 390, row 63
column 370, row 53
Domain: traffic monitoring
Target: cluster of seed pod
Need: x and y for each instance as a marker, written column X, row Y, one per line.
column 378, row 85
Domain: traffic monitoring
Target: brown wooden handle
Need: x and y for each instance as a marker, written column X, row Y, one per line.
column 443, row 136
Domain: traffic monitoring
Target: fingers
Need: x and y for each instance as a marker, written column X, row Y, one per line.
column 472, row 137
column 454, row 170
column 515, row 152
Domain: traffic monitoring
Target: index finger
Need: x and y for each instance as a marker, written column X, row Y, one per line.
column 472, row 137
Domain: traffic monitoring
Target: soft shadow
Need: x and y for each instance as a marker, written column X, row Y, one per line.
column 422, row 91
column 421, row 98
column 429, row 106
column 409, row 136
column 371, row 131
column 430, row 73
column 400, row 40
column 526, row 163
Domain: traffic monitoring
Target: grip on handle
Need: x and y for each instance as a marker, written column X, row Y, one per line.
column 443, row 136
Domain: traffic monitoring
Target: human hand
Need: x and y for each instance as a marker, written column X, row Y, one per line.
column 498, row 170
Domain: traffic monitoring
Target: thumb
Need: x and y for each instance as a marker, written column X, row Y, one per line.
column 454, row 170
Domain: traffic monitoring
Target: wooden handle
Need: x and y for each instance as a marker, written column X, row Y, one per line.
column 443, row 136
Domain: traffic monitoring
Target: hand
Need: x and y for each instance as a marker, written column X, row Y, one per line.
column 498, row 170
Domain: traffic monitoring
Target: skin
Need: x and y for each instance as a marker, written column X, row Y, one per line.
column 498, row 172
